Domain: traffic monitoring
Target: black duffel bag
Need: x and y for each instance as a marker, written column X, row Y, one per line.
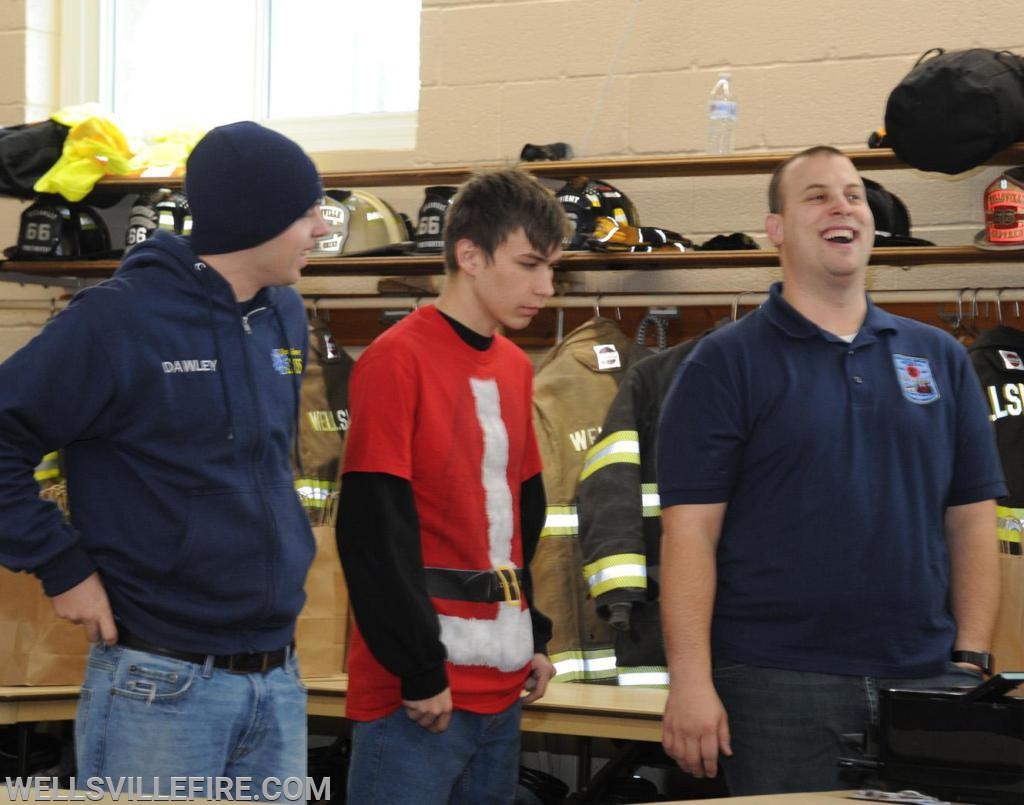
column 26, row 153
column 954, row 111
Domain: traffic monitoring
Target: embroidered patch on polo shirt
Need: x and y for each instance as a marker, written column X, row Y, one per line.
column 916, row 379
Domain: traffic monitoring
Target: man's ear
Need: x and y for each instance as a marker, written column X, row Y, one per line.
column 468, row 256
column 773, row 228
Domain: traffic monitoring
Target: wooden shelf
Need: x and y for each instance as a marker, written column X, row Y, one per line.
column 358, row 276
column 589, row 274
column 426, row 265
column 731, row 165
column 605, row 168
column 768, row 258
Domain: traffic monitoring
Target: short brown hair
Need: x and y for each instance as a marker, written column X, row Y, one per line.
column 492, row 205
column 775, row 185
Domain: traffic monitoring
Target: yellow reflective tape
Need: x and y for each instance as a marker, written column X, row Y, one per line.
column 621, row 447
column 612, row 560
column 653, row 676
column 579, row 665
column 49, row 467
column 612, row 438
column 616, row 572
column 629, row 580
column 314, row 492
column 650, row 500
column 561, row 521
column 1010, row 523
column 608, row 460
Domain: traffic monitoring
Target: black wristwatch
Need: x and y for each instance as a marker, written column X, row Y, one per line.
column 980, row 658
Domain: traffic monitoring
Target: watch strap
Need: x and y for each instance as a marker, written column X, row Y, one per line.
column 980, row 658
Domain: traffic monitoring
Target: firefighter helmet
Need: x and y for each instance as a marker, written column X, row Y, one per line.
column 585, row 200
column 359, row 223
column 159, row 209
column 429, row 235
column 52, row 227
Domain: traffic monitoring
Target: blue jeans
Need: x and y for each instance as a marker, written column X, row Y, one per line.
column 475, row 761
column 787, row 726
column 146, row 716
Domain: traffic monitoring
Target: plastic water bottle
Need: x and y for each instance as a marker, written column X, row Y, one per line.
column 721, row 116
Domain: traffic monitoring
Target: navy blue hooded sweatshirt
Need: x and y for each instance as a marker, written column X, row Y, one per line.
column 176, row 408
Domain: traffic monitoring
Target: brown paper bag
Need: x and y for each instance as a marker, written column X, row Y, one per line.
column 1008, row 643
column 322, row 629
column 36, row 647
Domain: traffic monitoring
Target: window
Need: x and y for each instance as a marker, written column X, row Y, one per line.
column 333, row 74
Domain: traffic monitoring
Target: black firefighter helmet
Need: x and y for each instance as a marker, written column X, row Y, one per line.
column 586, row 200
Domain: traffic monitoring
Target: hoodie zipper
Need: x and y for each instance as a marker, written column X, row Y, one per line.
column 258, row 447
column 259, row 442
column 245, row 319
column 250, row 377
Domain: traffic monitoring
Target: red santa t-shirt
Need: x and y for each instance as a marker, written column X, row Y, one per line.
column 456, row 423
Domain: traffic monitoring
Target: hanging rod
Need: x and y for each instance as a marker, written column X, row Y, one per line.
column 965, row 296
column 749, row 298
column 23, row 278
column 32, row 304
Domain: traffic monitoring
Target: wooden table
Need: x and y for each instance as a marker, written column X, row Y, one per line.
column 592, row 711
column 20, row 704
column 830, row 798
column 63, row 795
column 824, row 798
column 583, row 711
column 24, row 705
column 588, row 711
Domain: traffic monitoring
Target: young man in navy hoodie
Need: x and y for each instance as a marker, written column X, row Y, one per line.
column 173, row 391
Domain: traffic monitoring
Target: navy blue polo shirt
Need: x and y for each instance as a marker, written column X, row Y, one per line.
column 837, row 461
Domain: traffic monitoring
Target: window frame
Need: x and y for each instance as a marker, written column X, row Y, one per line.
column 85, row 76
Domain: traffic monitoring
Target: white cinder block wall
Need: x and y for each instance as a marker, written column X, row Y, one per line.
column 623, row 77
column 28, row 92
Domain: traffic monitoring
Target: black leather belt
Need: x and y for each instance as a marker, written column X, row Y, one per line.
column 480, row 586
column 258, row 662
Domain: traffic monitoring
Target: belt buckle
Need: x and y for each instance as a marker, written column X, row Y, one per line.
column 247, row 663
column 509, row 581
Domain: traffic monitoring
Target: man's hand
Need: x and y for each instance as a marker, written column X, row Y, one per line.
column 542, row 669
column 695, row 730
column 432, row 714
column 86, row 603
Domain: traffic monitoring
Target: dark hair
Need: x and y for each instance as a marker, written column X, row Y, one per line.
column 492, row 205
column 775, row 185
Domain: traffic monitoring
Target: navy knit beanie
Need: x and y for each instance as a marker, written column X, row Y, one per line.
column 245, row 185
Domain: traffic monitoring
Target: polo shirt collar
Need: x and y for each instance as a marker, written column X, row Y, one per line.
column 784, row 316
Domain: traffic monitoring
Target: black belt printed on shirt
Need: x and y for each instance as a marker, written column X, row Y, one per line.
column 479, row 586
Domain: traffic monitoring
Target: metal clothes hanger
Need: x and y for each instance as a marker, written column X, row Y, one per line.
column 735, row 313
